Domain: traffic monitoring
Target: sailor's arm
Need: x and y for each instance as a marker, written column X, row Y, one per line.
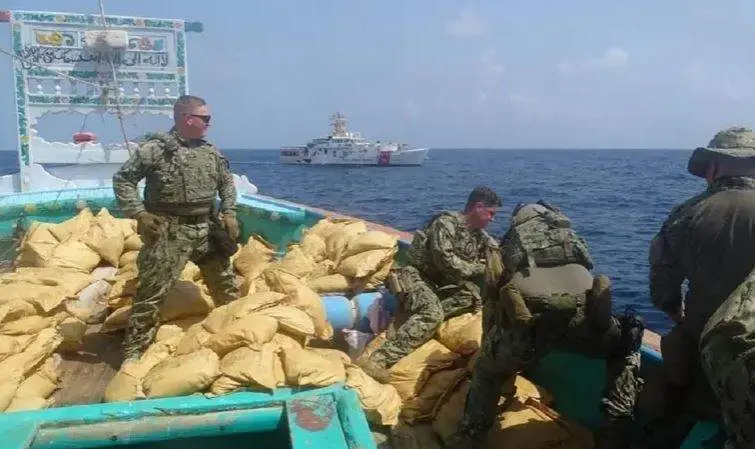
column 666, row 277
column 226, row 188
column 442, row 235
column 127, row 178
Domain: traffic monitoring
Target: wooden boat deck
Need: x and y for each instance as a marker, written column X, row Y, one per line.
column 86, row 373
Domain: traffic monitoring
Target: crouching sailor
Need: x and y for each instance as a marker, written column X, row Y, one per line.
column 443, row 279
column 551, row 301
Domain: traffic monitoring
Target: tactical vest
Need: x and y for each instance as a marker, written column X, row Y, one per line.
column 541, row 236
column 418, row 255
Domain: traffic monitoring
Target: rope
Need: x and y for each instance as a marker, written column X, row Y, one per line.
column 118, row 114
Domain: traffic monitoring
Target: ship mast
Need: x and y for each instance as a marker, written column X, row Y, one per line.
column 338, row 122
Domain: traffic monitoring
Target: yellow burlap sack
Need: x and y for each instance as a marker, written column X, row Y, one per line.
column 74, row 227
column 43, row 382
column 117, row 320
column 126, row 385
column 122, row 288
column 438, row 387
column 127, row 261
column 334, row 283
column 323, row 228
column 191, row 272
column 37, row 245
column 370, row 240
column 297, row 262
column 254, row 256
column 323, row 268
column 132, row 243
column 291, row 320
column 250, row 367
column 185, row 299
column 24, row 362
column 15, row 309
column 26, row 403
column 167, row 331
column 186, row 323
column 308, row 368
column 27, row 325
column 10, row 345
column 412, row 372
column 43, row 297
column 128, row 227
column 338, row 240
column 535, row 425
column 381, row 403
column 193, row 339
column 450, row 411
column 105, row 237
column 251, row 331
column 74, row 254
column 182, row 375
column 72, row 330
column 8, row 387
column 461, row 334
column 70, row 281
column 366, row 263
column 301, row 297
column 313, row 245
column 283, row 341
column 223, row 316
column 373, row 280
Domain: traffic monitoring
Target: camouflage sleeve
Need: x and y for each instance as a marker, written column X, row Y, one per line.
column 666, row 275
column 226, row 187
column 127, row 178
column 442, row 234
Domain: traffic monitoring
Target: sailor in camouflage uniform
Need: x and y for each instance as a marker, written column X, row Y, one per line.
column 550, row 301
column 707, row 240
column 184, row 173
column 442, row 279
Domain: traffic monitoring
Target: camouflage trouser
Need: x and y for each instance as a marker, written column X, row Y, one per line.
column 727, row 353
column 160, row 264
column 508, row 350
column 677, row 395
column 421, row 311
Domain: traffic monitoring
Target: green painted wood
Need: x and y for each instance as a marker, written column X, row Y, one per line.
column 18, row 437
column 356, row 430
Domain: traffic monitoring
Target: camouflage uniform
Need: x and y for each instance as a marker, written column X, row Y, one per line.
column 708, row 241
column 442, row 280
column 728, row 360
column 182, row 181
column 566, row 315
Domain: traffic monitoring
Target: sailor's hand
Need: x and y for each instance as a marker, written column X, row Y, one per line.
column 231, row 225
column 149, row 225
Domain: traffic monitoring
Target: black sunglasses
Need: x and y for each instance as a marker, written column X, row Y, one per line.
column 204, row 118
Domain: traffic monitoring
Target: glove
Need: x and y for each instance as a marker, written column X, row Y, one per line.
column 231, row 225
column 149, row 225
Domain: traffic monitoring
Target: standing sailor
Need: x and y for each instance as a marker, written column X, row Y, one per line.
column 183, row 173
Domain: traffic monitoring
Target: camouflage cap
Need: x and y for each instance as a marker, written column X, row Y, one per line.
column 732, row 148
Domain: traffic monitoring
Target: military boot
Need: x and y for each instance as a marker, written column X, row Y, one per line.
column 373, row 369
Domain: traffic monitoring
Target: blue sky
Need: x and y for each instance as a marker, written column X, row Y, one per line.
column 440, row 73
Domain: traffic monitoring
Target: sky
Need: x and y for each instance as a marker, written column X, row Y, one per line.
column 458, row 74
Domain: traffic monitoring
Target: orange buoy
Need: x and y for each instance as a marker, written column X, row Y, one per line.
column 85, row 136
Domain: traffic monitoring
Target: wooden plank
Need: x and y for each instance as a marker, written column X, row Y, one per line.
column 87, row 372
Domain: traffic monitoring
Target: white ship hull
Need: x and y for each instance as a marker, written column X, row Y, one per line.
column 300, row 156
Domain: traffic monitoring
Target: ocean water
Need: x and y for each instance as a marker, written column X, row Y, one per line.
column 617, row 199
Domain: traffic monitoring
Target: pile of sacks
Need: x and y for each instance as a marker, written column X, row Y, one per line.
column 262, row 340
column 60, row 270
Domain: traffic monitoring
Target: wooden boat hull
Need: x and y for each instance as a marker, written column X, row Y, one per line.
column 325, row 417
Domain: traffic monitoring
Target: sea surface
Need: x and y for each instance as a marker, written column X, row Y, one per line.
column 617, row 199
